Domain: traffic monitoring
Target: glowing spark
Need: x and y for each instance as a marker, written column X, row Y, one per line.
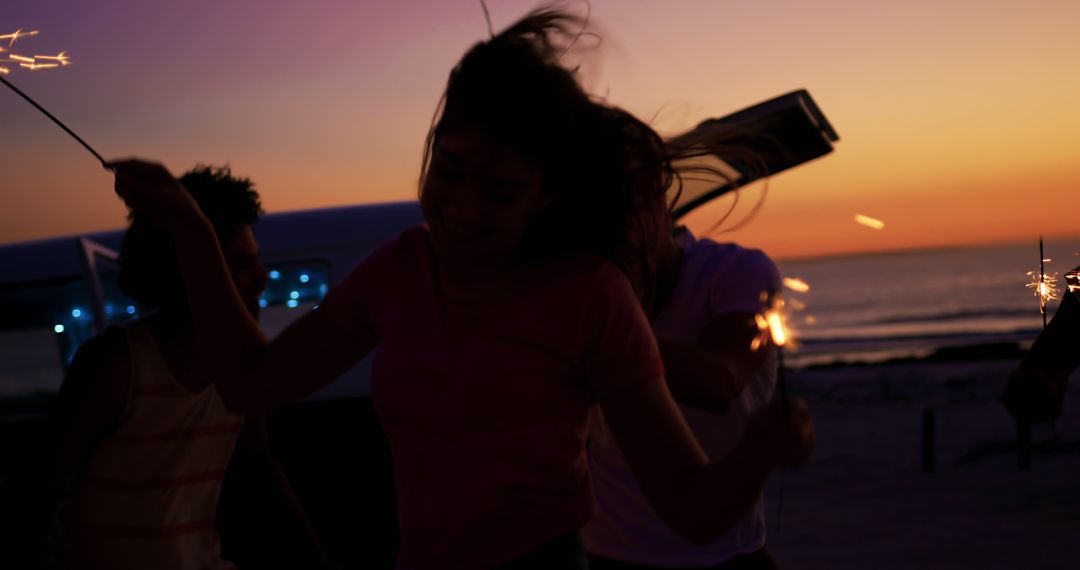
column 1045, row 287
column 15, row 57
column 772, row 325
column 12, row 37
column 4, row 70
column 869, row 222
column 1073, row 280
column 796, row 284
column 810, row 320
column 61, row 58
column 37, row 66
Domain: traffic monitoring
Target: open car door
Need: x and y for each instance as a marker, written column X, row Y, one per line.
column 777, row 134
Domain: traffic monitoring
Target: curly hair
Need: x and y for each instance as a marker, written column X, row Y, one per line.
column 149, row 270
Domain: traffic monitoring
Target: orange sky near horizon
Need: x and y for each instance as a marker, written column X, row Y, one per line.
column 956, row 118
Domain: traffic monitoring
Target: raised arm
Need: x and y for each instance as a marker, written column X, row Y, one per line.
column 1036, row 390
column 251, row 374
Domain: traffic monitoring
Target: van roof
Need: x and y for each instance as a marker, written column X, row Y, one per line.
column 280, row 235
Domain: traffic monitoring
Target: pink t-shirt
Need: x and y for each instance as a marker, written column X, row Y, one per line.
column 485, row 402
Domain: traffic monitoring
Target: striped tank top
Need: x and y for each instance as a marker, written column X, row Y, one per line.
column 148, row 495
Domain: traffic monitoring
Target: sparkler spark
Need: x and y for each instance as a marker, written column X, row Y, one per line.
column 1045, row 287
column 772, row 325
column 796, row 284
column 32, row 64
column 12, row 37
column 1072, row 278
column 869, row 222
column 60, row 58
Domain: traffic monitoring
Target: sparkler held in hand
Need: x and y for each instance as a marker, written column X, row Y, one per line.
column 772, row 327
column 1045, row 286
column 33, row 64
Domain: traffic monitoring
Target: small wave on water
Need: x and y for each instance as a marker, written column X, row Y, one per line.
column 872, row 308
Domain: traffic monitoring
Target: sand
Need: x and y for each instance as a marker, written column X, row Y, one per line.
column 864, row 500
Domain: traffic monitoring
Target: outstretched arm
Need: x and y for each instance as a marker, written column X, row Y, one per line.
column 251, row 374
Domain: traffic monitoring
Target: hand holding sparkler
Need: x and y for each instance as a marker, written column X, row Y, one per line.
column 149, row 189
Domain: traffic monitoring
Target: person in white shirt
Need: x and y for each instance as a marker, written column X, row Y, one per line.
column 707, row 295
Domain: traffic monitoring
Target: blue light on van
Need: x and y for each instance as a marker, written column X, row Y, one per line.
column 304, row 278
column 275, row 274
column 76, row 313
column 293, row 303
column 131, row 309
column 294, row 295
column 322, row 289
column 108, row 309
column 263, row 303
column 58, row 329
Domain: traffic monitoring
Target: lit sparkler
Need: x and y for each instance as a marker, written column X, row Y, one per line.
column 1045, row 286
column 772, row 326
column 869, row 222
column 32, row 64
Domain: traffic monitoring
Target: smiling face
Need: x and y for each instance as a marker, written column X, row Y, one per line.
column 479, row 198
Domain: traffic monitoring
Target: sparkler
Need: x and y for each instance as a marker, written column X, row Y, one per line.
column 772, row 326
column 1045, row 286
column 33, row 64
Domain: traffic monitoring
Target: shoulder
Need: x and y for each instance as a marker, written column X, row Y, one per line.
column 731, row 261
column 108, row 350
column 99, row 371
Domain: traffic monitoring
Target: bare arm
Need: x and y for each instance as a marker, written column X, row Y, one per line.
column 699, row 500
column 251, row 374
column 712, row 372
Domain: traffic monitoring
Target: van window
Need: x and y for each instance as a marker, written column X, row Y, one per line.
column 293, row 289
column 44, row 324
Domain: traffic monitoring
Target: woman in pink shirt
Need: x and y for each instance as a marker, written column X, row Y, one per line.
column 500, row 324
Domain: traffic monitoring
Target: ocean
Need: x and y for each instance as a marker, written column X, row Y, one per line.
column 870, row 308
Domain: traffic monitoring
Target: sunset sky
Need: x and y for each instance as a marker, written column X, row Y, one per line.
column 958, row 118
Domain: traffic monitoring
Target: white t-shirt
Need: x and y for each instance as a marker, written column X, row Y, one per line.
column 714, row 279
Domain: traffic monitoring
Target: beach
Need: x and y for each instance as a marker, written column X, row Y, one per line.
column 864, row 500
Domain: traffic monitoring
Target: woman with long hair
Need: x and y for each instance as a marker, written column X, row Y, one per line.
column 500, row 324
